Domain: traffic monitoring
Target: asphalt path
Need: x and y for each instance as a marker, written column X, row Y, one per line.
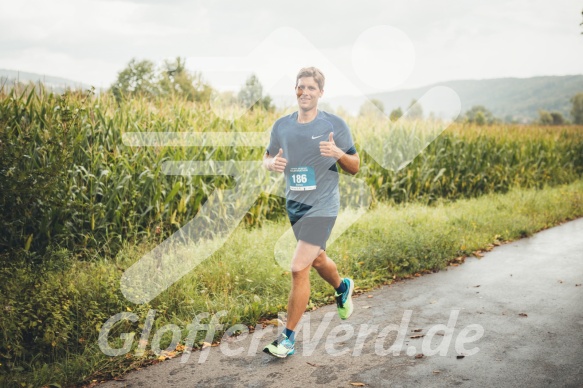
column 513, row 318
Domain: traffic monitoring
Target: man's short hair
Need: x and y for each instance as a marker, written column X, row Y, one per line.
column 312, row 72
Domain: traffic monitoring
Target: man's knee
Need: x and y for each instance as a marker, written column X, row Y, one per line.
column 304, row 256
column 299, row 269
column 320, row 260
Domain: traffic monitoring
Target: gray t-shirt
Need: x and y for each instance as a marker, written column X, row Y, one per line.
column 311, row 179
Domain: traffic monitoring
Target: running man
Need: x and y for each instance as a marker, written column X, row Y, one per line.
column 305, row 146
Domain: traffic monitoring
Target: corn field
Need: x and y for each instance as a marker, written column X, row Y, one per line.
column 67, row 178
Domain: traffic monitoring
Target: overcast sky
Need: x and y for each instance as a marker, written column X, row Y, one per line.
column 374, row 46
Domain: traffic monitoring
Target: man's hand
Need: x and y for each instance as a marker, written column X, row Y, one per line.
column 349, row 163
column 276, row 163
column 328, row 148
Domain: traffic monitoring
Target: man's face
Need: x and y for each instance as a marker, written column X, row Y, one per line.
column 308, row 93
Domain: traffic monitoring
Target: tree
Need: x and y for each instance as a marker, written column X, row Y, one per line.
column 138, row 78
column 545, row 118
column 175, row 79
column 480, row 118
column 143, row 78
column 251, row 95
column 577, row 110
column 252, row 92
column 550, row 118
column 479, row 115
column 558, row 118
column 415, row 111
column 372, row 108
column 267, row 103
column 396, row 114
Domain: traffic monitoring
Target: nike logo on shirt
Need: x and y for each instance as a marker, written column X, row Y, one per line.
column 315, row 137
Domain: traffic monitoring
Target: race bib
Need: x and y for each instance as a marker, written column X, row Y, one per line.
column 302, row 178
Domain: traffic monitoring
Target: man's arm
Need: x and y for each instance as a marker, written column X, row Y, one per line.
column 275, row 163
column 349, row 163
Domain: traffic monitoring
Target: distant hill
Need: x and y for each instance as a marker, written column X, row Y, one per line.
column 507, row 98
column 56, row 84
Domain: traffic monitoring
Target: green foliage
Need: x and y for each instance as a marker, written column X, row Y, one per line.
column 95, row 192
column 176, row 80
column 577, row 109
column 551, row 118
column 251, row 95
column 252, row 91
column 558, row 118
column 37, row 144
column 396, row 114
column 479, row 115
column 53, row 309
column 172, row 79
column 545, row 118
column 468, row 161
column 137, row 79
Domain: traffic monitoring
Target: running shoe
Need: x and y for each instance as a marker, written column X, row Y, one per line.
column 281, row 347
column 344, row 300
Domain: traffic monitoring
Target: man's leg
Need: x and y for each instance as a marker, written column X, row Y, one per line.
column 298, row 298
column 305, row 256
column 300, row 292
column 327, row 269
